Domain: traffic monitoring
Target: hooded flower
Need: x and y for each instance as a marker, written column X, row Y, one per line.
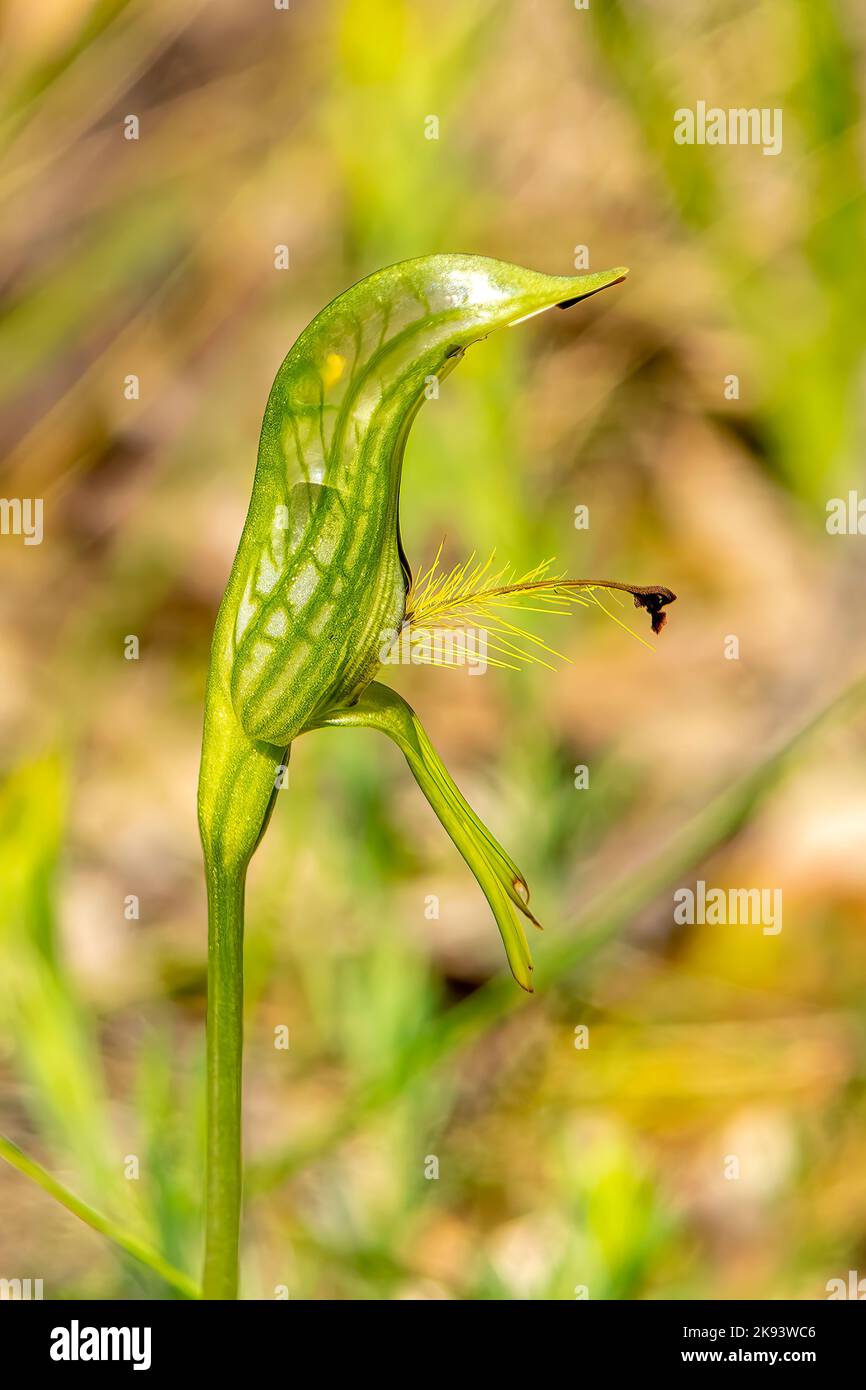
column 320, row 577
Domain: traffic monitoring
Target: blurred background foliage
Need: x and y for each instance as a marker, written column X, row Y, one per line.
column 558, row 1167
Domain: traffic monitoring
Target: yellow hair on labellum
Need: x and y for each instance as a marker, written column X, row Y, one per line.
column 475, row 595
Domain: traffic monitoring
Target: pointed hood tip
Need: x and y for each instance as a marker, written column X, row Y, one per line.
column 608, row 279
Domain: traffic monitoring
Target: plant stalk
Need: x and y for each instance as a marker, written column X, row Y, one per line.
column 225, row 1031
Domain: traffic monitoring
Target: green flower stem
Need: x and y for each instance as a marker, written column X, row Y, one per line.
column 97, row 1221
column 225, row 1036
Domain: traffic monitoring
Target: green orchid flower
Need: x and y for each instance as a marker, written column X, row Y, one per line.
column 319, row 588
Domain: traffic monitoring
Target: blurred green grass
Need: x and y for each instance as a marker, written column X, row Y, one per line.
column 557, row 1168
